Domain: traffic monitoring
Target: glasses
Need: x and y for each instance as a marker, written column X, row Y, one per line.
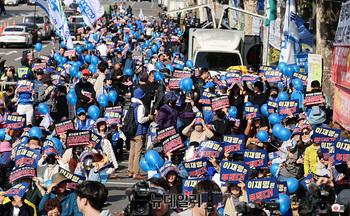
column 81, row 114
column 305, row 133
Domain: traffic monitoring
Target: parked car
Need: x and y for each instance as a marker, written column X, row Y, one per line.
column 43, row 22
column 35, row 31
column 14, row 35
column 30, row 2
column 11, row 2
column 74, row 32
column 70, row 13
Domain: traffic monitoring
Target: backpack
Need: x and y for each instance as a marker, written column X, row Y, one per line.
column 130, row 126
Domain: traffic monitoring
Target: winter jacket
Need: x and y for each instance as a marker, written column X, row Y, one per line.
column 24, row 210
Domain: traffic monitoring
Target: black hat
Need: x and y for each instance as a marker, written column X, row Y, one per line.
column 53, row 62
column 108, row 76
column 46, row 78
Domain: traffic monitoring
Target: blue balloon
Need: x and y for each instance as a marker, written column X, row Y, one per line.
column 158, row 43
column 187, row 84
column 159, row 65
column 84, row 24
column 88, row 58
column 94, row 112
column 147, row 43
column 140, row 48
column 289, row 71
column 296, row 68
column 73, row 70
column 95, row 36
column 63, row 44
column 154, row 48
column 56, row 56
column 189, row 63
column 277, row 129
column 274, row 118
column 92, row 68
column 89, row 46
column 262, row 136
column 103, row 100
column 292, row 185
column 158, row 76
column 298, row 84
column 170, row 67
column 35, row 132
column 64, row 60
column 233, row 111
column 94, row 60
column 181, row 84
column 282, row 66
column 2, row 134
column 57, row 143
column 274, row 168
column 153, row 168
column 43, row 108
column 72, row 98
column 221, row 211
column 143, row 165
column 161, row 163
column 152, row 158
column 72, row 90
column 128, row 72
column 187, row 143
column 112, row 96
column 264, row 110
column 284, row 203
column 284, row 134
column 280, row 85
column 283, row 96
column 76, row 64
column 179, row 66
column 79, row 49
column 129, row 15
column 38, row 47
column 110, row 36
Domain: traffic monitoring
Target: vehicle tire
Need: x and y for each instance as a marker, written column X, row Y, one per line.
column 1, row 45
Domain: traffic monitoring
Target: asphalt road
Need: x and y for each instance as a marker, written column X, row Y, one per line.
column 13, row 55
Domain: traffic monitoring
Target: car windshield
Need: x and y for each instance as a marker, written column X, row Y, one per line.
column 217, row 60
column 30, row 26
column 31, row 20
column 13, row 30
column 71, row 26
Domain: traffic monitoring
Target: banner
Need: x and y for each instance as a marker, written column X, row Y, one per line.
column 78, row 137
column 322, row 134
column 16, row 122
column 49, row 148
column 273, row 155
column 272, row 106
column 21, row 172
column 56, row 79
column 327, row 149
column 255, row 158
column 272, row 76
column 250, row 78
column 28, row 157
column 188, row 185
column 68, row 53
column 95, row 140
column 182, row 74
column 197, row 167
column 303, row 77
column 114, row 115
column 25, row 86
column 232, row 77
column 234, row 143
column 306, row 181
column 174, row 83
column 233, row 172
column 91, row 10
column 76, row 179
column 17, row 190
column 178, row 61
column 63, row 126
column 164, row 170
column 166, row 132
column 313, row 98
column 37, row 66
column 282, row 188
column 205, row 97
column 208, row 149
column 220, row 102
column 153, row 133
column 285, row 108
column 341, row 111
column 172, row 143
column 342, row 152
column 252, row 112
column 271, row 11
column 265, row 189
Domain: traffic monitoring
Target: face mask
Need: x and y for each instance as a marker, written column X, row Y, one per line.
column 307, row 140
column 274, row 95
column 292, row 127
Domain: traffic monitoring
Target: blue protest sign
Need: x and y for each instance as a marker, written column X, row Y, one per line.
column 282, row 188
column 327, row 148
column 17, row 190
column 188, row 185
column 273, row 155
column 272, row 76
column 342, row 152
column 178, row 61
column 56, row 79
column 153, row 133
column 208, row 149
column 49, row 148
column 166, row 168
column 234, row 143
column 303, row 77
column 27, row 156
column 114, row 115
column 265, row 189
column 252, row 112
column 306, row 181
column 256, row 158
column 197, row 167
column 272, row 106
column 232, row 77
column 233, row 172
column 75, row 179
column 285, row 108
column 96, row 140
column 322, row 134
column 25, row 86
column 250, row 78
column 16, row 122
column 265, row 68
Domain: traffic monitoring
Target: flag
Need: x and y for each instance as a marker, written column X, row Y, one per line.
column 290, row 46
column 91, row 10
column 46, row 122
column 43, row 4
column 58, row 20
column 141, row 15
column 271, row 11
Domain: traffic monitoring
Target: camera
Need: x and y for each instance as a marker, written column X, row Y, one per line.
column 256, row 208
column 140, row 203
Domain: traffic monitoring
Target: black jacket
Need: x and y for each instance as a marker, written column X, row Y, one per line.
column 24, row 210
column 82, row 89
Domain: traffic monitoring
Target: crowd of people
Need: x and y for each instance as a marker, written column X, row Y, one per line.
column 127, row 90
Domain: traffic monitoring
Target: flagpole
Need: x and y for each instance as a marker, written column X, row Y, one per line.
column 268, row 44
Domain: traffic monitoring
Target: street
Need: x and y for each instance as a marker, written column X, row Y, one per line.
column 13, row 55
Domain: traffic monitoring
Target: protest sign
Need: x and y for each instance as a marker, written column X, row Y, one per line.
column 264, row 189
column 232, row 77
column 56, row 79
column 197, row 167
column 37, row 66
column 342, row 152
column 172, row 143
column 110, row 44
column 208, row 149
column 313, row 98
column 178, row 61
column 69, row 53
column 272, row 106
column 327, row 148
column 303, row 77
column 188, row 185
column 166, row 132
column 174, row 83
column 272, row 76
column 266, row 68
column 167, row 168
column 78, row 137
column 273, row 155
column 63, row 126
column 17, row 190
column 341, row 111
column 252, row 112
column 322, row 134
column 25, row 86
column 250, row 78
column 233, row 172
column 75, row 179
column 49, row 148
column 219, row 102
column 95, row 140
column 255, row 158
column 282, row 188
column 44, row 58
column 114, row 115
column 306, row 181
column 285, row 108
column 182, row 74
column 16, row 122
column 28, row 157
column 153, row 133
column 234, row 143
column 21, row 172
column 205, row 97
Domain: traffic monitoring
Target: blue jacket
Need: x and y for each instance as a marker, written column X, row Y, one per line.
column 182, row 170
column 87, row 125
column 129, row 64
column 320, row 118
column 298, row 95
column 69, row 204
column 92, row 176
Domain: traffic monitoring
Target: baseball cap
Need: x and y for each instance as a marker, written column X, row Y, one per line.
column 209, row 85
column 25, row 76
column 85, row 72
column 80, row 110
